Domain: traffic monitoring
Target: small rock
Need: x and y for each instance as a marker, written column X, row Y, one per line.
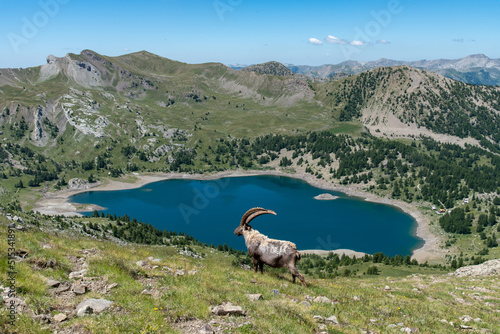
column 322, row 327
column 83, row 311
column 275, row 292
column 42, row 318
column 192, row 272
column 78, row 288
column 53, row 283
column 151, row 258
column 387, row 288
column 256, row 296
column 466, row 318
column 206, row 329
column 111, row 286
column 60, row 317
column 322, row 299
column 465, row 327
column 318, row 318
column 62, row 288
column 477, row 320
column 392, row 326
column 141, row 263
column 305, row 303
column 77, row 274
column 97, row 305
column 332, row 319
column 156, row 260
column 179, row 272
column 228, row 309
column 154, row 267
column 355, row 298
column 146, row 292
column 253, row 281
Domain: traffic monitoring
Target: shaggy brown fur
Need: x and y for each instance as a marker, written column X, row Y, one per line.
column 275, row 253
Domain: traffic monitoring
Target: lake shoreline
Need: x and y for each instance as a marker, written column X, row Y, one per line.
column 58, row 203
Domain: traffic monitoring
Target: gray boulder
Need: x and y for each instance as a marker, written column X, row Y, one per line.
column 77, row 274
column 322, row 299
column 228, row 309
column 53, row 283
column 333, row 319
column 491, row 267
column 92, row 305
column 256, row 296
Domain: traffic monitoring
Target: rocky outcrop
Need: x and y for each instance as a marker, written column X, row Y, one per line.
column 77, row 183
column 325, row 197
column 81, row 72
column 487, row 268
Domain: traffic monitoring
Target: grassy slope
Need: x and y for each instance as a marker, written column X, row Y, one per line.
column 419, row 301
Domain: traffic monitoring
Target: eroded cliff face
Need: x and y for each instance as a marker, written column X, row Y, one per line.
column 82, row 73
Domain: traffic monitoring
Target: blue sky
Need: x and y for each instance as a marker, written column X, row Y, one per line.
column 249, row 32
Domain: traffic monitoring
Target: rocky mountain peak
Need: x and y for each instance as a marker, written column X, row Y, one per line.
column 272, row 68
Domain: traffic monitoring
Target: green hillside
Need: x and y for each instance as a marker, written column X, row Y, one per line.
column 175, row 288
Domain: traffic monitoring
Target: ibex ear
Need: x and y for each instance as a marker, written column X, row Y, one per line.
column 248, row 227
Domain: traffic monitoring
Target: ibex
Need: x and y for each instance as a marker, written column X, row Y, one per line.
column 275, row 253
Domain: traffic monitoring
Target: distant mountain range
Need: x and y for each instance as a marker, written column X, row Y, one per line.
column 475, row 69
column 159, row 105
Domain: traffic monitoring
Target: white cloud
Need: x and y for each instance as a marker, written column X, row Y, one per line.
column 334, row 40
column 315, row 41
column 383, row 41
column 458, row 40
column 358, row 43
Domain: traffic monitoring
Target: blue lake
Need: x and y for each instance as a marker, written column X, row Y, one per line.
column 210, row 210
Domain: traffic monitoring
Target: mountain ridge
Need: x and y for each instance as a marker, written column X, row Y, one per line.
column 473, row 69
column 91, row 92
